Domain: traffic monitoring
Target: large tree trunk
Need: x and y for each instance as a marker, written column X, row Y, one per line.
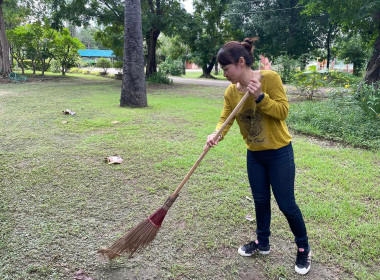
column 133, row 89
column 373, row 67
column 152, row 44
column 5, row 64
column 206, row 69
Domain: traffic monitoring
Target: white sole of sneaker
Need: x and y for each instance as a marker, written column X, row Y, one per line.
column 244, row 254
column 302, row 271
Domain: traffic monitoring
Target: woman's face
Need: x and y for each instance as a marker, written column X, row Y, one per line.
column 232, row 72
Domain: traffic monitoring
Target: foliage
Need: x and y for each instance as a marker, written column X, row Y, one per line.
column 66, row 49
column 286, row 68
column 368, row 97
column 353, row 50
column 342, row 79
column 104, row 63
column 207, row 32
column 171, row 67
column 310, row 81
column 280, row 25
column 159, row 77
column 339, row 119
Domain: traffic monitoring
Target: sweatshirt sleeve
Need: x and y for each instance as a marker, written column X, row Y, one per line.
column 224, row 115
column 275, row 103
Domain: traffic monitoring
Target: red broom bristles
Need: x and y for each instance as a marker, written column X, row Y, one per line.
column 140, row 236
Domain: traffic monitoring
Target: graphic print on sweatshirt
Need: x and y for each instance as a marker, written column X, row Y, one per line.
column 252, row 122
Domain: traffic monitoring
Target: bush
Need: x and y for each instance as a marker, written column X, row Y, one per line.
column 368, row 97
column 55, row 66
column 310, row 81
column 171, row 67
column 104, row 63
column 159, row 78
column 336, row 78
column 338, row 119
column 287, row 68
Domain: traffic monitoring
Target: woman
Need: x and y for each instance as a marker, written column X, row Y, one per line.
column 270, row 160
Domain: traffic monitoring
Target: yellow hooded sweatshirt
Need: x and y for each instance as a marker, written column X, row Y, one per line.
column 262, row 125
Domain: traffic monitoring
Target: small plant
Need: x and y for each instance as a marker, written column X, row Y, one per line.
column 287, row 68
column 171, row 67
column 159, row 77
column 368, row 97
column 118, row 65
column 310, row 81
column 104, row 63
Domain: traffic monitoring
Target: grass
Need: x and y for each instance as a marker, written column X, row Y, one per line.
column 339, row 119
column 60, row 201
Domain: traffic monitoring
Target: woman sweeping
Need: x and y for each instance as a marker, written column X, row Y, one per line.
column 270, row 160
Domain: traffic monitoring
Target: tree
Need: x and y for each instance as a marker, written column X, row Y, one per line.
column 353, row 50
column 356, row 16
column 206, row 33
column 5, row 64
column 19, row 39
column 65, row 49
column 133, row 90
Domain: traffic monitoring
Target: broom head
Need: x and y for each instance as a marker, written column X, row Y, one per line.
column 140, row 236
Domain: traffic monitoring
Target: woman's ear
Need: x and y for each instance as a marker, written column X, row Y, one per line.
column 241, row 61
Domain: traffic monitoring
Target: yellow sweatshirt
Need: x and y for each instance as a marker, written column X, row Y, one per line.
column 262, row 125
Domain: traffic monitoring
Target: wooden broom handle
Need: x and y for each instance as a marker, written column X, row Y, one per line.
column 230, row 117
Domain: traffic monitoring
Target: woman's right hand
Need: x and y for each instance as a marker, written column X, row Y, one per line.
column 210, row 140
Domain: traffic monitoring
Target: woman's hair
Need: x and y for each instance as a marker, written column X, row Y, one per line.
column 232, row 51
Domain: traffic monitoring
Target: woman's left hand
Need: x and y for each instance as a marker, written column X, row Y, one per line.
column 254, row 88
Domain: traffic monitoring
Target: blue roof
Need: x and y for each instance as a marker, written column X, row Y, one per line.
column 97, row 53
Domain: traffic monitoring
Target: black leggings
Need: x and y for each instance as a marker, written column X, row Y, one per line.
column 275, row 168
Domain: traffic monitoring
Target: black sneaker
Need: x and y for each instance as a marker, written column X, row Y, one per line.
column 303, row 261
column 253, row 247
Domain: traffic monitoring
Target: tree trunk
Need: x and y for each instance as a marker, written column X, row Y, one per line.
column 208, row 68
column 373, row 67
column 328, row 46
column 133, row 89
column 5, row 64
column 152, row 44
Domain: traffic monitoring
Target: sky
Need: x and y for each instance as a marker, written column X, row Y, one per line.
column 188, row 4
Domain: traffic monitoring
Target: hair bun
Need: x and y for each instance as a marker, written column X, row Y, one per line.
column 249, row 44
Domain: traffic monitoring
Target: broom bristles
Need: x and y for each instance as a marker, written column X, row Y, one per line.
column 140, row 236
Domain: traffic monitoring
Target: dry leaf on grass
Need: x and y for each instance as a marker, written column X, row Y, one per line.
column 64, row 122
column 81, row 275
column 69, row 112
column 249, row 218
column 114, row 159
column 115, row 122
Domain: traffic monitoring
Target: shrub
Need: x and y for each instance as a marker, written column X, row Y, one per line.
column 338, row 119
column 368, row 97
column 55, row 66
column 104, row 63
column 287, row 68
column 310, row 81
column 336, row 78
column 172, row 67
column 159, row 77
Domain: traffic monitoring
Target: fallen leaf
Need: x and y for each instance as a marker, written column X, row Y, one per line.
column 114, row 159
column 249, row 218
column 64, row 122
column 81, row 275
column 248, row 198
column 115, row 122
column 69, row 112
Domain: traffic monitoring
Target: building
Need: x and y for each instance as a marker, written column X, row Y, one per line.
column 91, row 56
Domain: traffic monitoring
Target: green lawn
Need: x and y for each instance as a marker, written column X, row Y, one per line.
column 60, row 201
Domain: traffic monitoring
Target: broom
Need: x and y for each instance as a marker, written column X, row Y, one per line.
column 140, row 236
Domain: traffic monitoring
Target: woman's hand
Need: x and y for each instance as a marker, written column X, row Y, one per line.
column 210, row 140
column 254, row 88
